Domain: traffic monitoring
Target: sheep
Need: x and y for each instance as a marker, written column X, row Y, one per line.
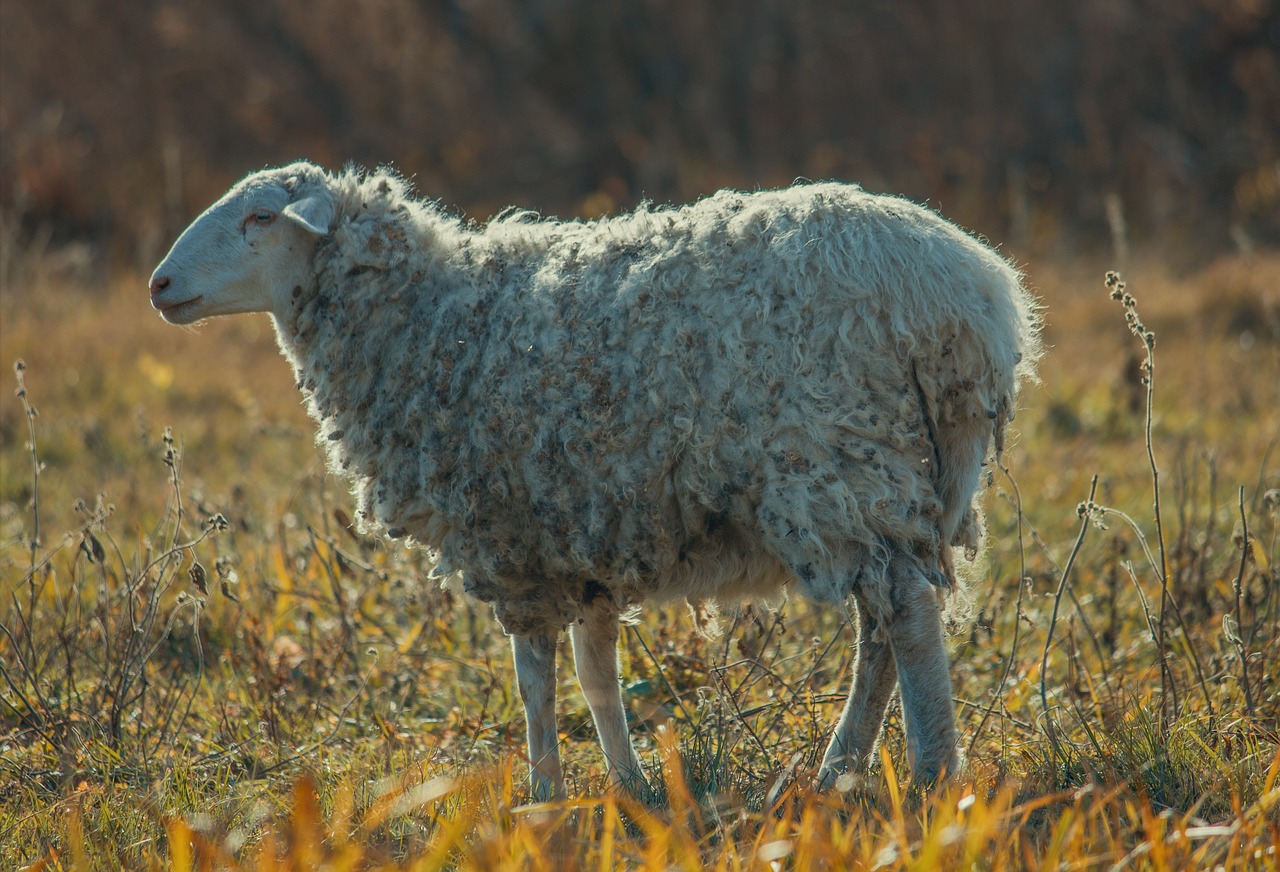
column 758, row 393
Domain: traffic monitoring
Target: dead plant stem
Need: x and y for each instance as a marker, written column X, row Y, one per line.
column 1085, row 511
column 1238, row 588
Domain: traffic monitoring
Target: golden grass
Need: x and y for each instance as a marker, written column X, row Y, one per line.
column 204, row 669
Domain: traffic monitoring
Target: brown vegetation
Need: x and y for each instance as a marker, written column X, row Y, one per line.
column 1022, row 119
column 201, row 666
column 205, row 665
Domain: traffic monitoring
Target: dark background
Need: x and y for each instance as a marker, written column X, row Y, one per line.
column 1029, row 121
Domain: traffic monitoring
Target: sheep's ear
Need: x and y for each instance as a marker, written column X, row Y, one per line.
column 313, row 213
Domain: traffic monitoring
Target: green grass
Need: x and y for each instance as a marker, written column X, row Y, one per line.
column 203, row 668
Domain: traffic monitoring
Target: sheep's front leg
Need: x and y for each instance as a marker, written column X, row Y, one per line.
column 854, row 741
column 924, row 675
column 595, row 654
column 535, row 658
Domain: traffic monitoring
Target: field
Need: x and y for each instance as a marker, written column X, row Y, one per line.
column 203, row 667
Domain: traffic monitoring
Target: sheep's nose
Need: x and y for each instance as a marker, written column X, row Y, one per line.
column 158, row 284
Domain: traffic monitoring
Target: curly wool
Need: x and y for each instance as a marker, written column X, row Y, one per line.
column 711, row 402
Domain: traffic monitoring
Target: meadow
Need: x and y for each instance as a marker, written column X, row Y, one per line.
column 205, row 667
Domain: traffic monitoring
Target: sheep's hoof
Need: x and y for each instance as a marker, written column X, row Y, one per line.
column 827, row 778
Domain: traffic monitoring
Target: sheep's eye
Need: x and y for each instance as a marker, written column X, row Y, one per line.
column 260, row 217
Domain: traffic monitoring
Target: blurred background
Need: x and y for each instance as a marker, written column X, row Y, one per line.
column 1054, row 128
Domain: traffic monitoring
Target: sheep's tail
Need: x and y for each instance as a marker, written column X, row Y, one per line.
column 968, row 400
column 963, row 525
column 960, row 449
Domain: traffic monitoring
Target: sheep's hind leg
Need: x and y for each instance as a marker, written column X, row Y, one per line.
column 535, row 658
column 854, row 741
column 915, row 633
column 595, row 654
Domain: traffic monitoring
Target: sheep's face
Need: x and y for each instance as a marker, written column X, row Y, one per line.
column 247, row 251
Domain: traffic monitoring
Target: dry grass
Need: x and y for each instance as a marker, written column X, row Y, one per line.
column 202, row 668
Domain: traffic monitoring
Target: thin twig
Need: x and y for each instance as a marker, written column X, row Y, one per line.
column 364, row 681
column 1017, row 617
column 675, row 697
column 1103, row 657
column 1148, row 340
column 339, row 599
column 1085, row 511
column 30, row 413
column 737, row 711
column 29, row 666
column 1172, row 602
column 1237, row 638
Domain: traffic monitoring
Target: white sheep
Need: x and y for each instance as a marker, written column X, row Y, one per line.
column 791, row 389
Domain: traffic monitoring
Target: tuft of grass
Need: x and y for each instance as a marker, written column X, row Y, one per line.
column 204, row 667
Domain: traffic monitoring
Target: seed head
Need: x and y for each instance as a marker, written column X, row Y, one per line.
column 1114, row 284
column 198, row 577
column 1271, row 500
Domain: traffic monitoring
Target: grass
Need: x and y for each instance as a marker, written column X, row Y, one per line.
column 204, row 668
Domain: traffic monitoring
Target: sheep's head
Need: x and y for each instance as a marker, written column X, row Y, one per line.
column 246, row 252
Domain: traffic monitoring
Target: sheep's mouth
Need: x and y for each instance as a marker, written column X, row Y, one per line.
column 173, row 313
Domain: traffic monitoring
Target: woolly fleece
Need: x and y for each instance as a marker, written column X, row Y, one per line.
column 715, row 402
